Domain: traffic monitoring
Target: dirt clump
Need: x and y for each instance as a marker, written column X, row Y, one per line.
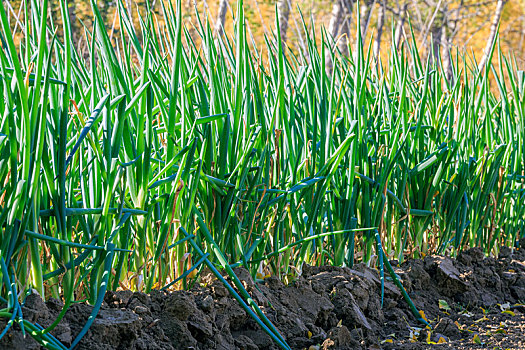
column 470, row 302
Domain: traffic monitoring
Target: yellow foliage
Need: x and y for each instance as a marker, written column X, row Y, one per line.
column 260, row 16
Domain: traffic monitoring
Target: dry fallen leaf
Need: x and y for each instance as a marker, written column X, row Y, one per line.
column 414, row 333
column 476, row 339
column 484, row 318
column 422, row 313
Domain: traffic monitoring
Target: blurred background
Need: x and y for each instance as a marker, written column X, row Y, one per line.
column 439, row 25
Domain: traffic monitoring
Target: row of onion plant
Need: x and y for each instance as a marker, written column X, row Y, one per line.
column 160, row 153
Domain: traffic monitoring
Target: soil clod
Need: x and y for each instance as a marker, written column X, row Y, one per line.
column 324, row 308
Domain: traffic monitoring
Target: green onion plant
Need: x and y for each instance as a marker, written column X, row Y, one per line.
column 158, row 153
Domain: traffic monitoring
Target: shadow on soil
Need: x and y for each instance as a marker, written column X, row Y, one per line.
column 472, row 302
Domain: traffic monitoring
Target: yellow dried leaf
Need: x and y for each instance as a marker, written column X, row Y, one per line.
column 340, row 323
column 484, row 318
column 28, row 74
column 422, row 313
column 309, row 335
column 508, row 312
column 390, row 341
column 476, row 339
column 441, row 340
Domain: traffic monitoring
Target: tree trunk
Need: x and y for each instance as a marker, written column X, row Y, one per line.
column 73, row 23
column 399, row 25
column 380, row 24
column 365, row 15
column 445, row 53
column 437, row 33
column 345, row 27
column 493, row 32
column 337, row 18
column 339, row 25
column 221, row 17
column 283, row 10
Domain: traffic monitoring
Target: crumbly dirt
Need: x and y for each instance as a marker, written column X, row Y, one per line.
column 472, row 302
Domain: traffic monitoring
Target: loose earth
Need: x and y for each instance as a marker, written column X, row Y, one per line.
column 471, row 302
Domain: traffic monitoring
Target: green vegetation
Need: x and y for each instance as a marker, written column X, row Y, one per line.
column 158, row 156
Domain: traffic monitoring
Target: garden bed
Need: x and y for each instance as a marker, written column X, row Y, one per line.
column 471, row 302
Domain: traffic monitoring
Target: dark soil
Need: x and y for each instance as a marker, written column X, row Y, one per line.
column 325, row 308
